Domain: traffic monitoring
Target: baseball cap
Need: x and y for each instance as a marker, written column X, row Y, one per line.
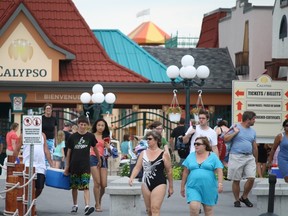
column 67, row 124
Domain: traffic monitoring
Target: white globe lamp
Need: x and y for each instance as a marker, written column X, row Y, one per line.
column 85, row 97
column 110, row 98
column 203, row 72
column 187, row 60
column 190, row 72
column 172, row 72
column 98, row 97
column 97, row 88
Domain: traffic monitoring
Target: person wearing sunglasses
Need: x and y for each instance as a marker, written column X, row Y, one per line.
column 154, row 162
column 281, row 140
column 199, row 184
column 158, row 127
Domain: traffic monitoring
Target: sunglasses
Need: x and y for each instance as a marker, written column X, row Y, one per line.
column 149, row 138
column 198, row 144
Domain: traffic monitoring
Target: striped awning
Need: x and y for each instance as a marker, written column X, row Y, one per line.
column 148, row 34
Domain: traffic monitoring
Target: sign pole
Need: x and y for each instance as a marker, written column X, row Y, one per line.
column 30, row 185
column 32, row 135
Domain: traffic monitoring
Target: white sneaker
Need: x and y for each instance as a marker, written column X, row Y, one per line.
column 74, row 209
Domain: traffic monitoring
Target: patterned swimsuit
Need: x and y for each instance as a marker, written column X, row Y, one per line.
column 153, row 171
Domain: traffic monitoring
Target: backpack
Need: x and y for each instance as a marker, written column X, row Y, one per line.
column 183, row 149
column 221, row 146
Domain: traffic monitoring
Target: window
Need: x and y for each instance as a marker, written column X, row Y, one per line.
column 283, row 3
column 283, row 28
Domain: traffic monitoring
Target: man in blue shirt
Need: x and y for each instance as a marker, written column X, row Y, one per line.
column 243, row 157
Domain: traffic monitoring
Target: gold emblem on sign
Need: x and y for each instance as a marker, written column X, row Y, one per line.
column 22, row 49
column 264, row 79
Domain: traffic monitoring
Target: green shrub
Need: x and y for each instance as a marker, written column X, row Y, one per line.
column 125, row 170
column 177, row 172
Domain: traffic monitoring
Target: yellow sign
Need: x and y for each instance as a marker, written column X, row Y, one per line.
column 22, row 59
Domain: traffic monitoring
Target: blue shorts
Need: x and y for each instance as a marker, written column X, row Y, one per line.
column 94, row 161
column 57, row 158
column 50, row 144
column 80, row 181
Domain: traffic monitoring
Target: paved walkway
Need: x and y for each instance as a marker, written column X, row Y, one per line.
column 58, row 202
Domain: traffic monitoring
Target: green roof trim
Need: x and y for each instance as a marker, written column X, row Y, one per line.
column 129, row 54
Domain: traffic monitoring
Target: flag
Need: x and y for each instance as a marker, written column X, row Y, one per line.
column 143, row 13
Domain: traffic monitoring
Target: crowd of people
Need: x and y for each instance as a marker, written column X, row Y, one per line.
column 82, row 152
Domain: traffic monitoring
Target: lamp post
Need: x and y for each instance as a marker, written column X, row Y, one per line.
column 101, row 103
column 187, row 73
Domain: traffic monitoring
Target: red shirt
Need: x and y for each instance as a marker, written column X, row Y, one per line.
column 11, row 135
column 100, row 147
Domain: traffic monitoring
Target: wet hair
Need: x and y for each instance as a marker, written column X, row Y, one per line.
column 126, row 137
column 14, row 126
column 205, row 142
column 82, row 119
column 248, row 115
column 47, row 104
column 222, row 122
column 106, row 131
column 154, row 125
column 284, row 123
column 182, row 121
column 204, row 112
column 155, row 136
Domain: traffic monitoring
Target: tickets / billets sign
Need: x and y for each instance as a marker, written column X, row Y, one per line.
column 268, row 99
column 32, row 129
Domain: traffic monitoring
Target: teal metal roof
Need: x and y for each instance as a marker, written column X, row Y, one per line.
column 127, row 53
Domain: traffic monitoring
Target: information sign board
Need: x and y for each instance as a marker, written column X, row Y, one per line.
column 268, row 99
column 32, row 129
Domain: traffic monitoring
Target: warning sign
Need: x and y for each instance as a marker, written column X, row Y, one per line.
column 32, row 129
column 268, row 99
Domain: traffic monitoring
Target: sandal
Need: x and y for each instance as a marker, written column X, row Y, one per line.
column 246, row 202
column 237, row 204
column 98, row 209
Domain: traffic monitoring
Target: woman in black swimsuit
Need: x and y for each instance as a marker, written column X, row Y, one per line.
column 154, row 161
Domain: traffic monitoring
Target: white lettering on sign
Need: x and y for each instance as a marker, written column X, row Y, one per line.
column 253, row 93
column 264, row 105
column 61, row 97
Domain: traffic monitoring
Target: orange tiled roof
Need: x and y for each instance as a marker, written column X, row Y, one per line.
column 65, row 27
column 209, row 30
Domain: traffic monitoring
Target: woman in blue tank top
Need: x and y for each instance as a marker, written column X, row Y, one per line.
column 282, row 141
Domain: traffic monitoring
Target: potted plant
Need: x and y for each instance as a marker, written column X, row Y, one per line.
column 174, row 113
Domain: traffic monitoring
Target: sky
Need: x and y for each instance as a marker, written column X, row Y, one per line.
column 172, row 16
